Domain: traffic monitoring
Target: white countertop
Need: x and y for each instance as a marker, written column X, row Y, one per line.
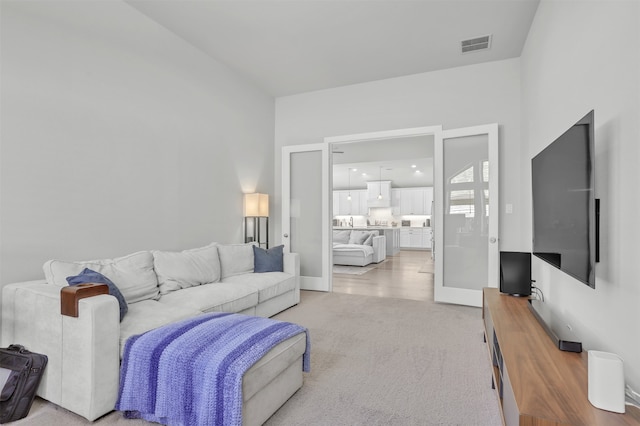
column 366, row 227
column 381, row 227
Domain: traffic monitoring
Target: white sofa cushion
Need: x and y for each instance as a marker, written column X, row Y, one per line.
column 149, row 314
column 352, row 249
column 132, row 274
column 235, row 259
column 268, row 284
column 187, row 268
column 215, row 297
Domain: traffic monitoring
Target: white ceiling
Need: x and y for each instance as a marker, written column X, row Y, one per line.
column 294, row 46
column 387, row 159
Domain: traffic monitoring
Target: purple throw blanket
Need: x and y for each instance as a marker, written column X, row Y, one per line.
column 190, row 372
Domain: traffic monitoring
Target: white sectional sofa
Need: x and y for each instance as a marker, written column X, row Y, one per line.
column 358, row 248
column 159, row 287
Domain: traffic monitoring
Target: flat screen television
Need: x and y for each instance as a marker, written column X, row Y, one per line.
column 565, row 210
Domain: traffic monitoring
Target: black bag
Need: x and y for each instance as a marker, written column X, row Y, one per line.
column 23, row 371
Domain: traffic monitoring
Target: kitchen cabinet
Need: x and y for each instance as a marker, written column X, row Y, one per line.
column 364, row 203
column 404, row 238
column 427, row 237
column 411, row 201
column 415, row 238
column 377, row 188
column 416, row 201
column 344, row 204
column 392, row 237
column 396, row 195
column 357, row 206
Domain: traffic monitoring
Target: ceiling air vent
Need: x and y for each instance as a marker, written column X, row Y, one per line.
column 477, row 43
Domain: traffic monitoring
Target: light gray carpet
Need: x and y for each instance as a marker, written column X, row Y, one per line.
column 379, row 361
column 374, row 361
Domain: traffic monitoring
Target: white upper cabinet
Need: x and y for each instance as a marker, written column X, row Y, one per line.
column 345, row 203
column 396, row 196
column 414, row 201
column 356, row 206
column 379, row 193
column 364, row 203
column 403, row 201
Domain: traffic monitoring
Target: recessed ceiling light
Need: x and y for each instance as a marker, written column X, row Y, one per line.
column 413, row 166
column 355, row 170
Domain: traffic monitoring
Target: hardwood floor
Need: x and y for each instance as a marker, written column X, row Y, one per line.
column 398, row 276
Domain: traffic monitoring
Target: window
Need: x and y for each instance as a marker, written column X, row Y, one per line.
column 462, row 202
column 465, row 176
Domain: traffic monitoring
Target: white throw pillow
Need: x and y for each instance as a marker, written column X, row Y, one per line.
column 235, row 259
column 369, row 240
column 187, row 268
column 358, row 237
column 341, row 236
column 132, row 274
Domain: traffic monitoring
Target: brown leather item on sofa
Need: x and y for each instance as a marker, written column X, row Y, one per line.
column 69, row 296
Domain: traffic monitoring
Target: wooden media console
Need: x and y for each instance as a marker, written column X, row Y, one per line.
column 538, row 384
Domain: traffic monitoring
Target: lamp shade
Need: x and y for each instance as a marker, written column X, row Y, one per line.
column 256, row 205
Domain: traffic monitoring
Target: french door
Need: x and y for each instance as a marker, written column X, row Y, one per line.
column 466, row 219
column 305, row 212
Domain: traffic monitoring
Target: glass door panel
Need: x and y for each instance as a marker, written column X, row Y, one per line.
column 305, row 216
column 467, row 239
column 305, row 235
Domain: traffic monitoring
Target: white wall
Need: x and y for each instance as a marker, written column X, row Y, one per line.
column 117, row 136
column 459, row 97
column 581, row 56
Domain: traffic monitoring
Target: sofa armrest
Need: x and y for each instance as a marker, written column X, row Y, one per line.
column 291, row 263
column 82, row 373
column 379, row 248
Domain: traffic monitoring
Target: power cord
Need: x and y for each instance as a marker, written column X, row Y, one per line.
column 536, row 290
column 632, row 397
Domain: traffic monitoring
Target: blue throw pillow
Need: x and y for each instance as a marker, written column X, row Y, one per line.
column 268, row 260
column 90, row 276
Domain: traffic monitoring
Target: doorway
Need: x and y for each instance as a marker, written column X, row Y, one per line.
column 402, row 214
column 474, row 242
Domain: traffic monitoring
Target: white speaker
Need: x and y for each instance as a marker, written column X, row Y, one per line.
column 606, row 381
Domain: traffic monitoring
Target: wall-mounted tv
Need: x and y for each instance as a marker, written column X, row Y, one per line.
column 565, row 213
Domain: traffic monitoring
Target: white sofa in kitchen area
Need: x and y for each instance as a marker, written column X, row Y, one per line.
column 358, row 248
column 159, row 287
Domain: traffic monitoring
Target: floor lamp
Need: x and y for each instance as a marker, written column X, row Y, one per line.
column 256, row 207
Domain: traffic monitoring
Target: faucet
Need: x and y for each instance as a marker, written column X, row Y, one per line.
column 351, row 221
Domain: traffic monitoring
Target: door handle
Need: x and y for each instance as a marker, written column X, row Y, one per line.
column 286, row 235
column 493, row 240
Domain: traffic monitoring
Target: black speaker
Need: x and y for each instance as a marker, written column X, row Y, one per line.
column 515, row 273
